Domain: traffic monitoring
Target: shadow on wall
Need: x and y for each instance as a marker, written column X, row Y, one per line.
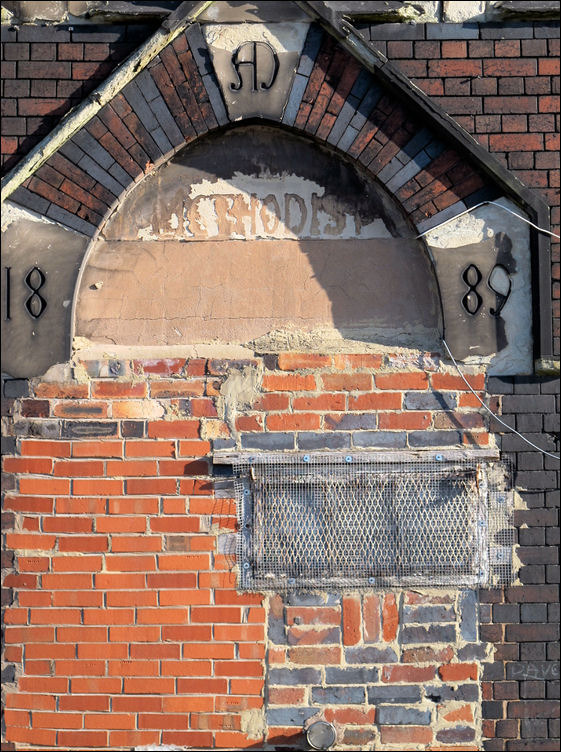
column 269, row 232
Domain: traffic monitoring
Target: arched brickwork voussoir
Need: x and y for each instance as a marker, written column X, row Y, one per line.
column 176, row 100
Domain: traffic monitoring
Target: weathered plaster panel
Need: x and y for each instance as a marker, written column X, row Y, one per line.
column 251, row 233
column 235, row 291
column 487, row 238
column 238, row 172
column 31, row 345
column 255, row 65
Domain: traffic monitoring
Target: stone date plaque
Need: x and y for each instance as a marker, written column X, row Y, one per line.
column 40, row 263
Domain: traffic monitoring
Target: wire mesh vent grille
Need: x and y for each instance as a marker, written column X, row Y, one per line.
column 332, row 521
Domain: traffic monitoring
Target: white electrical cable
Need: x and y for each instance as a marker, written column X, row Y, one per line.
column 485, row 203
column 510, row 428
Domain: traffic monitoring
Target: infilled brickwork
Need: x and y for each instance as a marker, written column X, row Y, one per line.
column 123, row 623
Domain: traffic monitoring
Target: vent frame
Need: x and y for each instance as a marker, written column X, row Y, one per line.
column 275, row 561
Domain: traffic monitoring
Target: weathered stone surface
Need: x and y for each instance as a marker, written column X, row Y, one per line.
column 255, row 65
column 483, row 267
column 31, row 345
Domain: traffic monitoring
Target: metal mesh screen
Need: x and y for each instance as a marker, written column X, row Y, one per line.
column 335, row 521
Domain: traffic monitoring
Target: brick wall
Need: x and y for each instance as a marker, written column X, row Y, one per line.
column 116, row 534
column 125, row 626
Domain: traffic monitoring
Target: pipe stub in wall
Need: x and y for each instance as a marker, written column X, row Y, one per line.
column 321, row 735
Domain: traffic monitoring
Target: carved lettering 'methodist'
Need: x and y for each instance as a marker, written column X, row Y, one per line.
column 251, row 232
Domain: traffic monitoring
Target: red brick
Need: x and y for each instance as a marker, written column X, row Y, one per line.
column 33, row 563
column 57, row 720
column 97, row 449
column 32, row 542
column 376, row 401
column 239, row 633
column 272, row 402
column 419, row 674
column 390, row 618
column 351, row 620
column 67, row 525
column 150, row 486
column 319, row 615
column 33, row 504
column 454, row 672
column 347, row 381
column 30, row 702
column 548, row 104
column 96, row 487
column 454, row 68
column 78, row 598
column 175, row 525
column 371, row 618
column 321, row 402
column 134, row 543
column 42, row 486
column 77, row 563
column 110, row 721
column 181, row 429
column 72, row 505
column 289, row 361
column 106, row 388
column 83, row 543
column 82, row 739
column 177, row 388
column 118, row 599
column 293, row 422
column 187, row 668
column 413, row 380
column 41, row 737
column 315, row 656
column 286, row 695
column 161, row 367
column 193, row 448
column 408, row 421
column 79, row 468
column 443, row 381
column 288, row 382
column 238, row 668
column 357, row 361
column 40, row 448
column 458, row 420
column 249, row 423
column 548, row 67
column 162, row 615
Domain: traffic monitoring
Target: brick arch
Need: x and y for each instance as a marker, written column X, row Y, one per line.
column 176, row 100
